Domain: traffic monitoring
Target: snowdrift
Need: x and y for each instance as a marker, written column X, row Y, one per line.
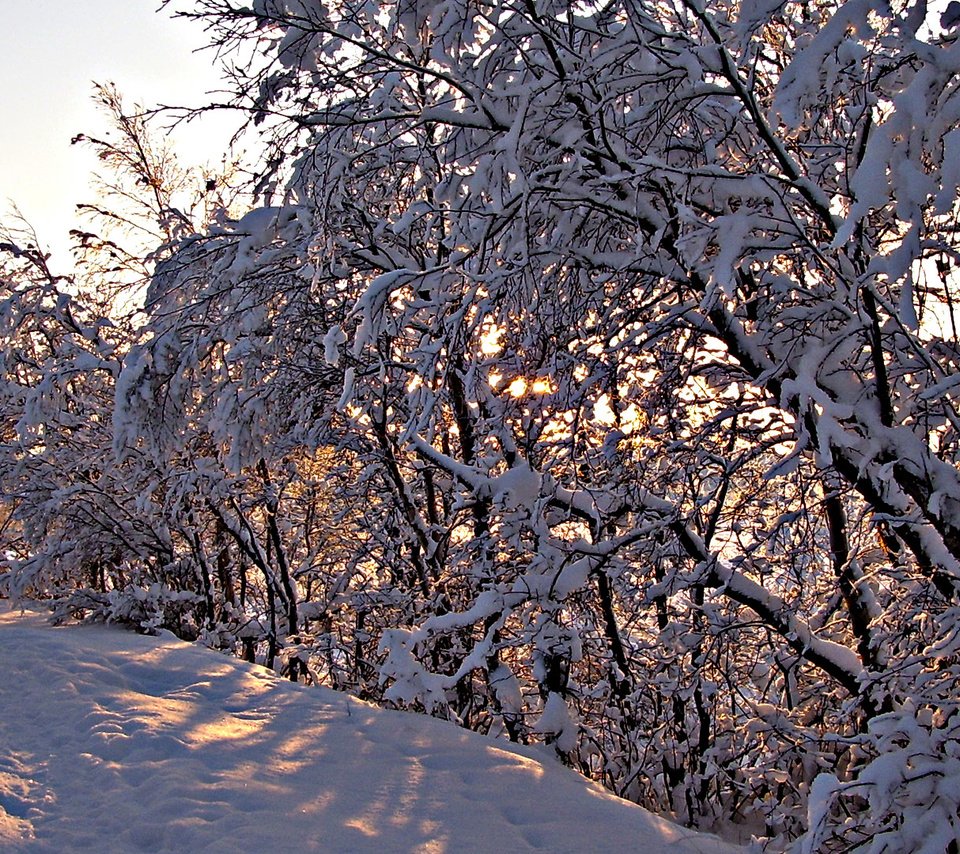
column 114, row 742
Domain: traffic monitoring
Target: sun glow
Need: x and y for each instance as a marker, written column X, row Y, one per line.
column 521, row 386
column 490, row 341
column 518, row 387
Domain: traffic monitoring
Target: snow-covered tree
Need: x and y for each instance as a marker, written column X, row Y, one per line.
column 588, row 372
column 86, row 528
column 80, row 534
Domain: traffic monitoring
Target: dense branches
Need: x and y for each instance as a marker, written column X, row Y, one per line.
column 622, row 337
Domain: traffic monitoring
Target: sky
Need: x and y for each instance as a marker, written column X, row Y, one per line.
column 51, row 52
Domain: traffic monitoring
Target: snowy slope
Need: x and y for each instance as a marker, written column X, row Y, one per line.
column 113, row 742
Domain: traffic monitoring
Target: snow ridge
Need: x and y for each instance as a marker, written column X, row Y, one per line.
column 116, row 742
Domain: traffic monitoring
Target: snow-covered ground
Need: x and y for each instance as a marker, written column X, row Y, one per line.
column 114, row 742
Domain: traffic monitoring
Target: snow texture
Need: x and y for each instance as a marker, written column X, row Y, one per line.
column 115, row 742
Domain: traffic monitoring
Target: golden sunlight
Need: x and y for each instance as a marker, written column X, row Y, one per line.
column 490, row 343
column 518, row 387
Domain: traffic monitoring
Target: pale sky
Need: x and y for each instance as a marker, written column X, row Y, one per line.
column 50, row 52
